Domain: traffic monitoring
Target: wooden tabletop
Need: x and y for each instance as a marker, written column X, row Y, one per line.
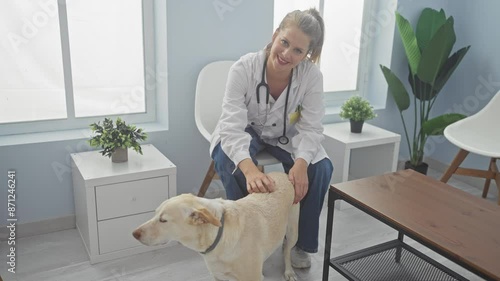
column 462, row 227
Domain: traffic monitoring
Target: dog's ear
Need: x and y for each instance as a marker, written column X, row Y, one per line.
column 202, row 216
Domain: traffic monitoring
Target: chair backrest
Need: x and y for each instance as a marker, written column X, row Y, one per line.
column 488, row 115
column 478, row 133
column 210, row 89
column 491, row 111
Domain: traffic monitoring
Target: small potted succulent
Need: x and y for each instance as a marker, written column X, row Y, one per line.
column 357, row 110
column 116, row 139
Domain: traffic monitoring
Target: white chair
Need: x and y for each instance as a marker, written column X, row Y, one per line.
column 208, row 108
column 479, row 134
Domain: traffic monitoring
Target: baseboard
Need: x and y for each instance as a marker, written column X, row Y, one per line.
column 39, row 227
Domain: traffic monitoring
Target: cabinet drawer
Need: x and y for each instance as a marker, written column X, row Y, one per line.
column 116, row 234
column 132, row 197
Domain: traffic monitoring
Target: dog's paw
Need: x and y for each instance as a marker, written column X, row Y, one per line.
column 290, row 275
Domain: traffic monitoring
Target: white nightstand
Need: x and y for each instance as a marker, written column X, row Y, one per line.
column 112, row 199
column 374, row 151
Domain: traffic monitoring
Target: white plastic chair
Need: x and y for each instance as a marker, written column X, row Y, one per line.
column 208, row 108
column 479, row 134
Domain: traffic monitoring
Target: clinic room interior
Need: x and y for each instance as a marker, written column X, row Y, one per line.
column 147, row 73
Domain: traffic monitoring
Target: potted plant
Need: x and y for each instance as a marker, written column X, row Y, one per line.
column 116, row 139
column 357, row 110
column 430, row 66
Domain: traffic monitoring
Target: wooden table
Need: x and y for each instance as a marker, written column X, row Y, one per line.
column 453, row 223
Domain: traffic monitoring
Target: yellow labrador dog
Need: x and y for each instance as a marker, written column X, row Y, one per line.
column 234, row 237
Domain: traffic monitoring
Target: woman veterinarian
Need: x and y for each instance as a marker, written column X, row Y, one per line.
column 274, row 102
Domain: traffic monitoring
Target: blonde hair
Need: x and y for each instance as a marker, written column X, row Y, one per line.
column 311, row 23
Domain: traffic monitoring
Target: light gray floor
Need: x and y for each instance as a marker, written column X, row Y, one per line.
column 61, row 256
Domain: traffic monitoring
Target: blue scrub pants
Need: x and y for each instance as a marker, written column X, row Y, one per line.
column 319, row 175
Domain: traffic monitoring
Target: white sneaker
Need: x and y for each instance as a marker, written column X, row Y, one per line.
column 300, row 259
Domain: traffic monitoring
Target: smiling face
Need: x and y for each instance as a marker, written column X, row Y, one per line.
column 289, row 47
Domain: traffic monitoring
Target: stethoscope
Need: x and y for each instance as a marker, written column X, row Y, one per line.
column 283, row 139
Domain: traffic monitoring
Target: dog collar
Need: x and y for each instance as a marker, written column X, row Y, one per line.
column 217, row 238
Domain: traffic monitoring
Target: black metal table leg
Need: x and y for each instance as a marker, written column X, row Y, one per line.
column 328, row 237
column 399, row 248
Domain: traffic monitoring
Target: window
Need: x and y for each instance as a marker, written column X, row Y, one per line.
column 32, row 68
column 106, row 53
column 68, row 63
column 355, row 30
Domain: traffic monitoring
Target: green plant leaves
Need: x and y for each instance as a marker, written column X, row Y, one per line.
column 430, row 66
column 110, row 137
column 436, row 126
column 409, row 42
column 448, row 68
column 357, row 108
column 429, row 22
column 397, row 89
column 421, row 90
column 437, row 52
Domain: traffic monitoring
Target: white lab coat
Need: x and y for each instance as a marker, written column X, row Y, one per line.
column 240, row 109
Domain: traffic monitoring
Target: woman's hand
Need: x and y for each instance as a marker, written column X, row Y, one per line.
column 257, row 182
column 299, row 179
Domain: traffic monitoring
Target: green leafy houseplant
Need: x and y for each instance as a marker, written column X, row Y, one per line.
column 357, row 108
column 111, row 137
column 430, row 66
